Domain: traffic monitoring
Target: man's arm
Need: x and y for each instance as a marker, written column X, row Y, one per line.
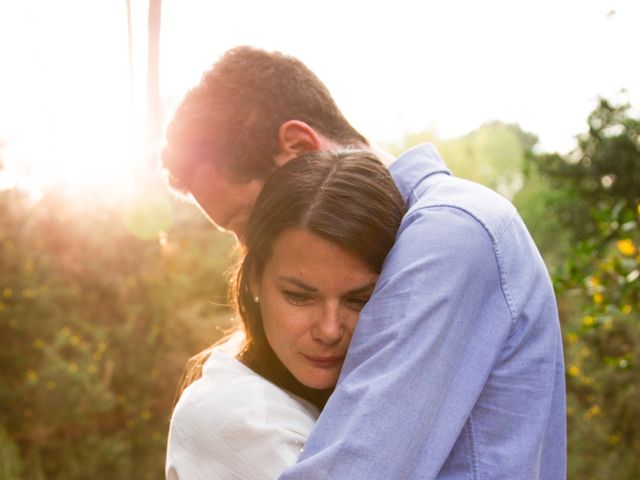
column 419, row 359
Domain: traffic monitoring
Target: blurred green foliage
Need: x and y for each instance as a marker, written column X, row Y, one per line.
column 101, row 307
column 95, row 327
column 598, row 287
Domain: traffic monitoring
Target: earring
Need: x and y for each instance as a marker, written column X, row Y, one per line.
column 256, row 299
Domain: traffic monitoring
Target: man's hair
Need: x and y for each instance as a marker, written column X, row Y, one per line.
column 347, row 198
column 235, row 113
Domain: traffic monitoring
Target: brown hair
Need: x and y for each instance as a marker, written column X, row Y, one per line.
column 348, row 198
column 234, row 114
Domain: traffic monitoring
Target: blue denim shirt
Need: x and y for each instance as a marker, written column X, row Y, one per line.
column 455, row 370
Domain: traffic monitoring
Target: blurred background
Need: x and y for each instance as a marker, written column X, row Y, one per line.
column 108, row 283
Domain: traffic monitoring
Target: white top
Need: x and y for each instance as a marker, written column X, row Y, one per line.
column 233, row 424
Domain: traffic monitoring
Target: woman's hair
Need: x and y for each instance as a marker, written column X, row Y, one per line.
column 348, row 198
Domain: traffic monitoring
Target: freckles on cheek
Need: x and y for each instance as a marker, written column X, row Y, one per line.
column 278, row 325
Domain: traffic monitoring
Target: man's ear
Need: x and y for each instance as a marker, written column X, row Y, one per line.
column 295, row 138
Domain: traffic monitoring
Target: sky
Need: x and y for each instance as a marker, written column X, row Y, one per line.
column 66, row 108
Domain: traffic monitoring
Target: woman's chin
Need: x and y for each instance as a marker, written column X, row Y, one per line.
column 319, row 382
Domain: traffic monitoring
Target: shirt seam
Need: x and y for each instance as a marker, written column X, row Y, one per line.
column 472, row 449
column 494, row 247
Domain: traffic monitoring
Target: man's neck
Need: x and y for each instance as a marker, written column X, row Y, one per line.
column 384, row 156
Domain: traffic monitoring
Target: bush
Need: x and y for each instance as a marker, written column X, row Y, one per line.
column 95, row 327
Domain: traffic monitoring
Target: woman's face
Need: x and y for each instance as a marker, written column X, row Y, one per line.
column 311, row 293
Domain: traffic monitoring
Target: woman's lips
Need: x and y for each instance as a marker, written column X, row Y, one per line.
column 323, row 362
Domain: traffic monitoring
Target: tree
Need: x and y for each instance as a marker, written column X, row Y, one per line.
column 598, row 204
column 96, row 324
column 493, row 155
column 601, row 173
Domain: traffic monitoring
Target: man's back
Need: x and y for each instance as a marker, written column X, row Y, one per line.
column 456, row 368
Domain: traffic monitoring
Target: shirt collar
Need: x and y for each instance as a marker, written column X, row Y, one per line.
column 415, row 165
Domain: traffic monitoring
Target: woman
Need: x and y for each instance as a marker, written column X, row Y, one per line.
column 315, row 244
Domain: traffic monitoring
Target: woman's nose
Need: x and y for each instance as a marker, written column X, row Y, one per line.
column 330, row 325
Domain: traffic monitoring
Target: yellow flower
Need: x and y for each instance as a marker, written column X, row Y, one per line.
column 626, row 309
column 593, row 411
column 585, row 352
column 586, row 381
column 626, row 247
column 572, row 338
column 74, row 340
column 37, row 343
column 32, row 376
column 7, row 293
column 588, row 321
column 598, row 299
column 29, row 266
column 574, row 370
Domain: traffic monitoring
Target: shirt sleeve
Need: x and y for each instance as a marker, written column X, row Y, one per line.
column 235, row 432
column 421, row 353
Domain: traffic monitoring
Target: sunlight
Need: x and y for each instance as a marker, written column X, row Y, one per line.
column 73, row 115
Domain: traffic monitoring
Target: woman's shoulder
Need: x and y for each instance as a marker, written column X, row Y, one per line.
column 229, row 388
column 231, row 417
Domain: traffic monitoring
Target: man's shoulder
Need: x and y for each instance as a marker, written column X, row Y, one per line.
column 426, row 183
column 481, row 204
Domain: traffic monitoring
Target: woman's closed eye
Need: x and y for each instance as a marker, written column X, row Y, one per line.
column 297, row 298
column 356, row 303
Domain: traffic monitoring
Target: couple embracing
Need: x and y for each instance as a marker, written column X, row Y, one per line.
column 397, row 322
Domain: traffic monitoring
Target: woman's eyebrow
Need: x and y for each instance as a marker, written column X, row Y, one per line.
column 298, row 283
column 364, row 289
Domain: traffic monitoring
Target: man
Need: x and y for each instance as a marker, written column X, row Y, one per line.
column 455, row 370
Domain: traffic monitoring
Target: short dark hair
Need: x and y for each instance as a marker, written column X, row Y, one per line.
column 236, row 110
column 348, row 198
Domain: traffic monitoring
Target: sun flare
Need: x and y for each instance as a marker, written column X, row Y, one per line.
column 73, row 108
